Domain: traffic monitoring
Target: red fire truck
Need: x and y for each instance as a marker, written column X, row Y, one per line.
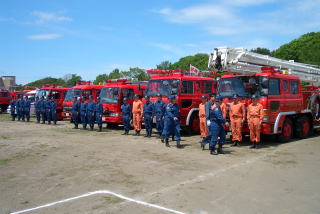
column 187, row 86
column 289, row 108
column 5, row 97
column 82, row 88
column 112, row 94
column 57, row 92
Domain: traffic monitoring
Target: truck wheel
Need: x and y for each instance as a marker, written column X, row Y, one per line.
column 287, row 131
column 302, row 127
column 194, row 125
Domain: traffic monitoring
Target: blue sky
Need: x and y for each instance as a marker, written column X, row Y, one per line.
column 90, row 37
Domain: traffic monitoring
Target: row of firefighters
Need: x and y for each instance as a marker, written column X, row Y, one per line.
column 212, row 115
column 45, row 109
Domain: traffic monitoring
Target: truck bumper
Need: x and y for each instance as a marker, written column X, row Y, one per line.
column 117, row 120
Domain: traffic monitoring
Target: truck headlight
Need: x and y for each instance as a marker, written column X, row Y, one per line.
column 265, row 119
column 114, row 115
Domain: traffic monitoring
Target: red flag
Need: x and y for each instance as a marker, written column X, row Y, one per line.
column 194, row 69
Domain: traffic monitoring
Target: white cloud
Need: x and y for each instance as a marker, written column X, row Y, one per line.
column 43, row 17
column 44, row 36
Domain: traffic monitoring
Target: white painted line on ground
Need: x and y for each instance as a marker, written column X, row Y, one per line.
column 96, row 193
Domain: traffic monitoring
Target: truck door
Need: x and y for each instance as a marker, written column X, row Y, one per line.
column 274, row 96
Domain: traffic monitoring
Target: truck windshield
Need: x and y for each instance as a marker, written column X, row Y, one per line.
column 165, row 87
column 243, row 86
column 42, row 92
column 71, row 93
column 109, row 95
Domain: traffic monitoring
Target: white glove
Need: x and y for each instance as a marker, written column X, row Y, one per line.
column 208, row 122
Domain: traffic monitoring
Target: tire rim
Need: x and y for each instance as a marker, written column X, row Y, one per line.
column 287, row 131
column 305, row 128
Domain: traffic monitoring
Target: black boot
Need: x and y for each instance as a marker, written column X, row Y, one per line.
column 220, row 151
column 178, row 144
column 172, row 138
column 235, row 143
column 167, row 142
column 138, row 133
column 257, row 146
column 28, row 120
column 55, row 122
column 125, row 132
column 91, row 128
column 253, row 145
column 213, row 151
column 100, row 129
column 162, row 139
column 149, row 134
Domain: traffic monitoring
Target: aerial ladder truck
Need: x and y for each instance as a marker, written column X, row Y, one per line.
column 290, row 107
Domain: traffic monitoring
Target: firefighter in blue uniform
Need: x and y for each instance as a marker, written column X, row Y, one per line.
column 90, row 112
column 99, row 111
column 13, row 109
column 83, row 113
column 171, row 121
column 148, row 111
column 53, row 109
column 43, row 109
column 26, row 108
column 126, row 115
column 216, row 129
column 75, row 112
column 48, row 109
column 159, row 109
column 22, row 108
column 37, row 106
column 18, row 108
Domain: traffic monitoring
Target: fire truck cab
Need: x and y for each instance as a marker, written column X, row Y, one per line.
column 5, row 97
column 187, row 86
column 58, row 93
column 81, row 89
column 112, row 95
column 288, row 107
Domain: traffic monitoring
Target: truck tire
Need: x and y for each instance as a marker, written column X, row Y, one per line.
column 302, row 127
column 287, row 131
column 194, row 124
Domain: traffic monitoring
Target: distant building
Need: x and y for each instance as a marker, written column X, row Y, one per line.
column 8, row 82
column 1, row 83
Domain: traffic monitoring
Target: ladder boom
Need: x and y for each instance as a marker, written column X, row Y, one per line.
column 239, row 60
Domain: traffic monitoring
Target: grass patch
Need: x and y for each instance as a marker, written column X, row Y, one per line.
column 51, row 174
column 112, row 200
column 5, row 117
column 4, row 161
column 2, row 137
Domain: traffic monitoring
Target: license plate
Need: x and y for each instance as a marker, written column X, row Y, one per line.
column 103, row 119
column 154, row 120
column 67, row 114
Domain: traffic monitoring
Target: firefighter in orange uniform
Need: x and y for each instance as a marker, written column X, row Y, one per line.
column 223, row 107
column 202, row 117
column 137, row 111
column 255, row 115
column 237, row 115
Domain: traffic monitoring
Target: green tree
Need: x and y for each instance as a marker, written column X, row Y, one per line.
column 115, row 74
column 101, row 78
column 305, row 49
column 135, row 73
column 73, row 80
column 165, row 65
column 264, row 51
column 47, row 80
column 199, row 60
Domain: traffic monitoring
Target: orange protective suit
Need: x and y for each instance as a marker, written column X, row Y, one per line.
column 203, row 121
column 237, row 115
column 255, row 115
column 223, row 107
column 137, row 111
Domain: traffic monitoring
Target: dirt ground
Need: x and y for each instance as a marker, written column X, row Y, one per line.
column 40, row 164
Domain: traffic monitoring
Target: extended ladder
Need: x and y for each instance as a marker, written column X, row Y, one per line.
column 239, row 60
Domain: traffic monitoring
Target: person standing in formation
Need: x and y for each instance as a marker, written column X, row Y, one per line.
column 126, row 115
column 159, row 109
column 255, row 115
column 83, row 113
column 99, row 111
column 148, row 110
column 202, row 117
column 137, row 111
column 237, row 117
column 13, row 109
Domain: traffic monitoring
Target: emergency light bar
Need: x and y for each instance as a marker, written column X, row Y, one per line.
column 83, row 83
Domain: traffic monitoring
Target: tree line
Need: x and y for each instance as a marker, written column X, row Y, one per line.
column 305, row 49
